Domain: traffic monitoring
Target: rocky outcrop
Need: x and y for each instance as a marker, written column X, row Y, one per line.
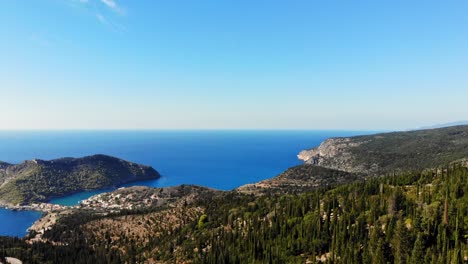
column 334, row 153
column 10, row 260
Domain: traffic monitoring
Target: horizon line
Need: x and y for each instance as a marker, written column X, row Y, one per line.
column 190, row 129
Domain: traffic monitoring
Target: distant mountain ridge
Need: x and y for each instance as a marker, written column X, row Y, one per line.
column 391, row 152
column 457, row 123
column 39, row 180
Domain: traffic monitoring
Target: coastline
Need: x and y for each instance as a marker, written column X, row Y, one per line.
column 39, row 207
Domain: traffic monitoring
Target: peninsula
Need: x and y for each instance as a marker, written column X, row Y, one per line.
column 37, row 180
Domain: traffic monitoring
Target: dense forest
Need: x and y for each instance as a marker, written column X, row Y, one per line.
column 417, row 217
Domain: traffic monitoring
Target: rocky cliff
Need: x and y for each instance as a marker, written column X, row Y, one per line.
column 391, row 152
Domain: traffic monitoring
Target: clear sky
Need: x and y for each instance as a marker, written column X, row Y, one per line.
column 186, row 64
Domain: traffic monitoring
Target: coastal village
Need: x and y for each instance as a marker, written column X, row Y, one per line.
column 129, row 198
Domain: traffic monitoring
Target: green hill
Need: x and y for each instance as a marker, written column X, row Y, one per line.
column 39, row 180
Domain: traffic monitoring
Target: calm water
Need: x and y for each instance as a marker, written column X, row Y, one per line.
column 15, row 223
column 218, row 159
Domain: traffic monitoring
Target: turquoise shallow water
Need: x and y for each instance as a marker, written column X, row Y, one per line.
column 74, row 199
column 217, row 159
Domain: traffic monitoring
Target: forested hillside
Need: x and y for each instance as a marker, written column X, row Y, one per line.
column 391, row 152
column 419, row 217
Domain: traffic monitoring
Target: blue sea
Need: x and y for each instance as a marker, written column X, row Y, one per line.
column 218, row 159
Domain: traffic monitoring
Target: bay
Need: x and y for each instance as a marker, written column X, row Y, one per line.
column 15, row 223
column 221, row 159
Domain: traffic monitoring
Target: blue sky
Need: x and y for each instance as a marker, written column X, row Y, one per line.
column 125, row 64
